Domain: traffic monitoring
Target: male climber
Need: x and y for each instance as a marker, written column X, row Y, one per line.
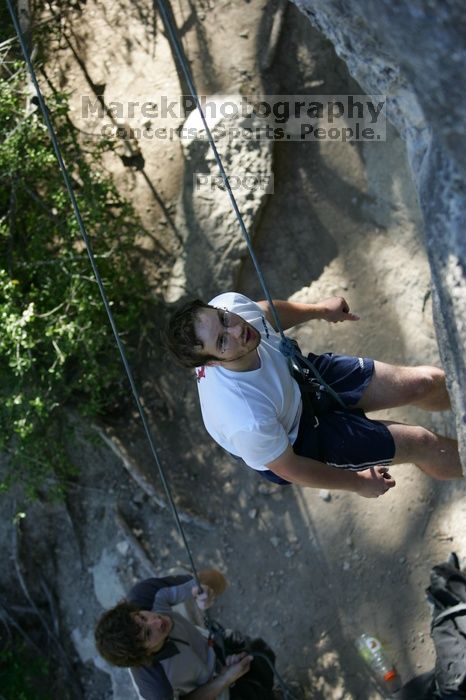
column 252, row 406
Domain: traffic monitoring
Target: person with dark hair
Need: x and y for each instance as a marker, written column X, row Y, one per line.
column 119, row 636
column 168, row 654
column 255, row 409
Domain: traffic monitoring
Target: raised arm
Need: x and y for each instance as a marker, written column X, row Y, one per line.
column 213, row 584
column 292, row 313
column 303, row 471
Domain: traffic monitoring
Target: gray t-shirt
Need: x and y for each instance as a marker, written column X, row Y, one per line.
column 186, row 661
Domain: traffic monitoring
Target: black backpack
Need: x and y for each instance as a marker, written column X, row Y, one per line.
column 447, row 593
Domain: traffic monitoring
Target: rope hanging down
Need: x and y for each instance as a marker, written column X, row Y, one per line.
column 288, row 347
column 215, row 630
column 102, row 291
column 213, row 627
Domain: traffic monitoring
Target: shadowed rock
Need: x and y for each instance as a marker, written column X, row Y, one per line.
column 415, row 54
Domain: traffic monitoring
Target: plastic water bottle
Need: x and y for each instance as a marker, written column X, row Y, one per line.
column 383, row 669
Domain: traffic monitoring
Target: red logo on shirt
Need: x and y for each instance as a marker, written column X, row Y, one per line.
column 200, row 373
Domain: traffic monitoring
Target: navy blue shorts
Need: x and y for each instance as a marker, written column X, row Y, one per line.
column 347, row 439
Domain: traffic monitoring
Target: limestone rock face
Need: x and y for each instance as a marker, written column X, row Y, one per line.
column 415, row 52
column 213, row 245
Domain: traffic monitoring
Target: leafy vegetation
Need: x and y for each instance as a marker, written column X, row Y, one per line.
column 56, row 346
column 22, row 676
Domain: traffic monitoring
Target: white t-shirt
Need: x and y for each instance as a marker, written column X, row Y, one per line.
column 254, row 415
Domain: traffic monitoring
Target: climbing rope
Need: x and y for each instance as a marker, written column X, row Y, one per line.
column 102, row 291
column 288, row 347
column 215, row 629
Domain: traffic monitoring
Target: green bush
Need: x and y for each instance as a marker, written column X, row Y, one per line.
column 56, row 346
column 21, row 676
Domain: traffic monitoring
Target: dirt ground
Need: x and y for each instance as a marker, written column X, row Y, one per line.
column 308, row 570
